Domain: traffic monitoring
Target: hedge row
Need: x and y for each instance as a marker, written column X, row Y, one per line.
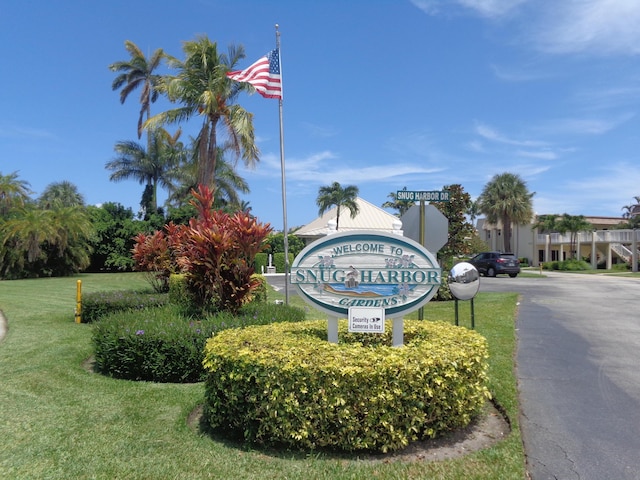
column 163, row 345
column 284, row 384
column 98, row 304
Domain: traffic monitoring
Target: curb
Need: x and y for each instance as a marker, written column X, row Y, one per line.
column 3, row 326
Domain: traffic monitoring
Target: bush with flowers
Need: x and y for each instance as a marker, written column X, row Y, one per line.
column 163, row 345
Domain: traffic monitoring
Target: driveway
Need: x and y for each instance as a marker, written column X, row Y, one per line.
column 578, row 367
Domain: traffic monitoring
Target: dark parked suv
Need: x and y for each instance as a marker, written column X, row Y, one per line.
column 491, row 264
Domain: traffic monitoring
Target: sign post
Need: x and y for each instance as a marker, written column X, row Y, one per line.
column 440, row 224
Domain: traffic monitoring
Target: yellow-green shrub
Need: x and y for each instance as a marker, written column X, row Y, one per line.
column 285, row 384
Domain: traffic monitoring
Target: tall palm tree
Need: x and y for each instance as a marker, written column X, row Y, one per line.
column 506, row 199
column 334, row 194
column 13, row 192
column 151, row 167
column 62, row 194
column 138, row 72
column 202, row 88
column 228, row 183
column 473, row 211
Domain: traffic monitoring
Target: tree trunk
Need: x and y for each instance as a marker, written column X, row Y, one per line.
column 506, row 232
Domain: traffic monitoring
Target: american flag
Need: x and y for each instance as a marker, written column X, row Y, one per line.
column 264, row 75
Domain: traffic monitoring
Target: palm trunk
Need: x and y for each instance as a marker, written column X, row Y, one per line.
column 506, row 232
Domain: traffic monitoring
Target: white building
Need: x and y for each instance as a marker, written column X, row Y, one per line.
column 602, row 244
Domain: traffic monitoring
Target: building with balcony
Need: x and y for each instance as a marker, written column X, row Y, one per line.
column 604, row 245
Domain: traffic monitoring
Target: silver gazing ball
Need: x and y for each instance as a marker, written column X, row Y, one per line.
column 464, row 281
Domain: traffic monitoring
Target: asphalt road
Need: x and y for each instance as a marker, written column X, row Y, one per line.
column 578, row 368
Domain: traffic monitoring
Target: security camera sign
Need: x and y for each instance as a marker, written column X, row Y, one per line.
column 366, row 320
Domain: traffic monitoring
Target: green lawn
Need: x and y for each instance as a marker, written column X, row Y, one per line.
column 61, row 421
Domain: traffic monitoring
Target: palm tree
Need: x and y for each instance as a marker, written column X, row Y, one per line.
column 564, row 223
column 64, row 231
column 334, row 194
column 61, row 194
column 506, row 199
column 573, row 224
column 138, row 71
column 472, row 211
column 150, row 167
column 546, row 223
column 203, row 89
column 402, row 206
column 13, row 192
column 633, row 209
column 228, row 183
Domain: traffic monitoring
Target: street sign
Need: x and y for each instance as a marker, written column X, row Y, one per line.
column 436, row 227
column 422, row 196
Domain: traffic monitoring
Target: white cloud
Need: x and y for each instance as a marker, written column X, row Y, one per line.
column 589, row 26
column 583, row 126
column 604, row 193
column 600, row 27
column 540, row 155
column 18, row 132
column 319, row 131
column 492, row 8
column 489, row 133
column 519, row 74
column 326, row 167
column 485, row 8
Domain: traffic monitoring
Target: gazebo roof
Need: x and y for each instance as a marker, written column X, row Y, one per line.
column 369, row 217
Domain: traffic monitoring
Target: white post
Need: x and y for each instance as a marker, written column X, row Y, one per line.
column 332, row 330
column 398, row 332
column 634, row 250
column 594, row 253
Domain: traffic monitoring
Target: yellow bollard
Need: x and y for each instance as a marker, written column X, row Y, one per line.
column 79, row 302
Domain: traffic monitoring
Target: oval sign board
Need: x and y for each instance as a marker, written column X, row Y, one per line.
column 366, row 269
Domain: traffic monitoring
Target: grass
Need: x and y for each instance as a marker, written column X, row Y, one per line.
column 61, row 421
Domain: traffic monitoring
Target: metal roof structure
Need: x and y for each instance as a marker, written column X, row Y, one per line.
column 369, row 217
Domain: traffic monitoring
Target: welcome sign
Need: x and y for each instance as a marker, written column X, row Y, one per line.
column 366, row 269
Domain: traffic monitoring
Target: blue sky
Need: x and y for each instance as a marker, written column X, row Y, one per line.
column 378, row 94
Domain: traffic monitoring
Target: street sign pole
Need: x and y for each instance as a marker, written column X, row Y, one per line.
column 421, row 309
column 423, row 196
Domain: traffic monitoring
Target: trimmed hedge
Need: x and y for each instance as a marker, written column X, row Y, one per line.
column 162, row 345
column 284, row 384
column 98, row 304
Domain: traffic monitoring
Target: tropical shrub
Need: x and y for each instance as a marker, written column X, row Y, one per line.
column 284, row 384
column 98, row 304
column 163, row 345
column 215, row 251
column 151, row 253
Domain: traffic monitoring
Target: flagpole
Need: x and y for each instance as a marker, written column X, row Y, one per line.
column 284, row 183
